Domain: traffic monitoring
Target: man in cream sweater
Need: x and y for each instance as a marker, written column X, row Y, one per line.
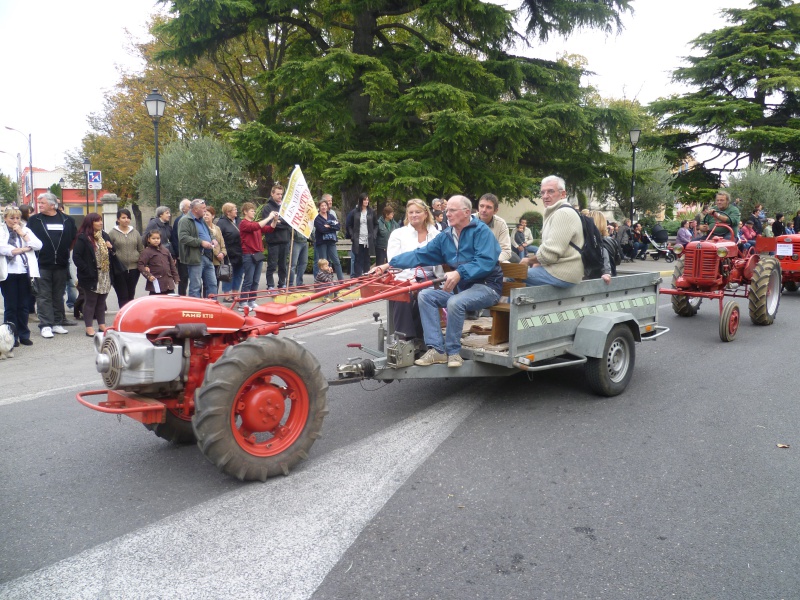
column 558, row 261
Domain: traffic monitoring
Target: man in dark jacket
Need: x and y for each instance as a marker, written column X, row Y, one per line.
column 277, row 241
column 57, row 232
column 183, row 270
column 470, row 248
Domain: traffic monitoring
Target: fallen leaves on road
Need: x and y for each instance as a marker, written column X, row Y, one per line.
column 783, row 445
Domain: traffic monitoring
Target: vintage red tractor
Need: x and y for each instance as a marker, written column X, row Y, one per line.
column 714, row 268
column 190, row 369
column 786, row 249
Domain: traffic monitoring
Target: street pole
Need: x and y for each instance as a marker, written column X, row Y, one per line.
column 634, row 137
column 155, row 105
column 30, row 159
column 158, row 177
column 87, row 166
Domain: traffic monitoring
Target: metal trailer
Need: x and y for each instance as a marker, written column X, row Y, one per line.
column 592, row 323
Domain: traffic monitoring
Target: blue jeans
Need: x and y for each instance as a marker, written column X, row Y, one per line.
column 639, row 248
column 299, row 263
column 236, row 281
column 477, row 297
column 252, row 275
column 538, row 275
column 329, row 253
column 202, row 276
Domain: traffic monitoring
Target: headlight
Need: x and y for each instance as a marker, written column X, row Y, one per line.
column 722, row 252
column 678, row 249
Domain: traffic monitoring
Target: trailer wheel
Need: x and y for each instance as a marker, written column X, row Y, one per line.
column 176, row 429
column 765, row 291
column 610, row 375
column 260, row 408
column 790, row 286
column 729, row 322
column 683, row 306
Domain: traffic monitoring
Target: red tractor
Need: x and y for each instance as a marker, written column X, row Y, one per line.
column 786, row 249
column 190, row 369
column 715, row 268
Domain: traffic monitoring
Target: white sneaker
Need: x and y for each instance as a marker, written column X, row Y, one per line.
column 252, row 304
column 59, row 329
column 47, row 332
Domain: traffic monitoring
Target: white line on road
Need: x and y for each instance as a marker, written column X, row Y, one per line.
column 276, row 540
column 341, row 331
column 48, row 392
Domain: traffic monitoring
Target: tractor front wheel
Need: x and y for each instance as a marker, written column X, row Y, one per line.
column 790, row 286
column 260, row 408
column 765, row 291
column 610, row 374
column 683, row 306
column 729, row 322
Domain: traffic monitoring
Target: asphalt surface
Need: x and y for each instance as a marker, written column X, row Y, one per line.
column 494, row 488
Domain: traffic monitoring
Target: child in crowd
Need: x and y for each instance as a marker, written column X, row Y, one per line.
column 520, row 247
column 325, row 277
column 157, row 266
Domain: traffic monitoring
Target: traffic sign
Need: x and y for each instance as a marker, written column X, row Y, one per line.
column 95, row 177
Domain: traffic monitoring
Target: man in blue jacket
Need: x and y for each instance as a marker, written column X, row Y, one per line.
column 469, row 247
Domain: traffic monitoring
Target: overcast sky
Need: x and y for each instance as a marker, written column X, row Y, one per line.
column 68, row 54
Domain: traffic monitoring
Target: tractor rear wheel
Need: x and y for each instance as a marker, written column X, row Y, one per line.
column 790, row 286
column 610, row 374
column 260, row 408
column 683, row 306
column 176, row 429
column 765, row 291
column 729, row 321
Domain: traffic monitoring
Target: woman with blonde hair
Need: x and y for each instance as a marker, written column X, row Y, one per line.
column 419, row 229
column 609, row 264
column 18, row 265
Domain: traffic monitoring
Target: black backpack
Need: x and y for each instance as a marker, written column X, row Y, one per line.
column 592, row 251
column 614, row 250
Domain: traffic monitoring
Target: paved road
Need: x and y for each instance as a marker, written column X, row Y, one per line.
column 495, row 488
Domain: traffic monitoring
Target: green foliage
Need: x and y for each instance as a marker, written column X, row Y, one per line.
column 56, row 189
column 9, row 189
column 535, row 220
column 654, row 179
column 407, row 99
column 671, row 226
column 758, row 184
column 747, row 103
column 202, row 168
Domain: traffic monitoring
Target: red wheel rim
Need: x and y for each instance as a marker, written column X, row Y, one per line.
column 733, row 322
column 270, row 411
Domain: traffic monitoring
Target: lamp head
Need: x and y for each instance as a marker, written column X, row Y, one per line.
column 155, row 104
column 87, row 166
column 634, row 134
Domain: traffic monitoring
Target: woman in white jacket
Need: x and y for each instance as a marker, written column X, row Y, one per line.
column 419, row 229
column 18, row 265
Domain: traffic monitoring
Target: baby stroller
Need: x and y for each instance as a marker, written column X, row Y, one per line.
column 661, row 248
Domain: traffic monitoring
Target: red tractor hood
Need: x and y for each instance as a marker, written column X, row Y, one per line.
column 154, row 314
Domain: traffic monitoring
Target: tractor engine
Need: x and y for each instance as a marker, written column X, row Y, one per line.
column 157, row 342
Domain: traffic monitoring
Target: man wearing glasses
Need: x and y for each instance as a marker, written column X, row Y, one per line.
column 558, row 260
column 469, row 247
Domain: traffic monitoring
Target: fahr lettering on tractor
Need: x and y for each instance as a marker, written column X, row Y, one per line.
column 192, row 370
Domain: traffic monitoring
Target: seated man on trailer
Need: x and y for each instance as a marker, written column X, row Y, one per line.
column 558, row 260
column 469, row 247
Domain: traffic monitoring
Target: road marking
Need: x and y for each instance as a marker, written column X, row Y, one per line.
column 341, row 331
column 37, row 395
column 276, row 540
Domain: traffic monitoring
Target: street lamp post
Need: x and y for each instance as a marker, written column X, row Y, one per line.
column 634, row 133
column 30, row 158
column 155, row 104
column 87, row 166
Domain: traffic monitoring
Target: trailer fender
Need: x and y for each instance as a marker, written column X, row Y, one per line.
column 593, row 330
